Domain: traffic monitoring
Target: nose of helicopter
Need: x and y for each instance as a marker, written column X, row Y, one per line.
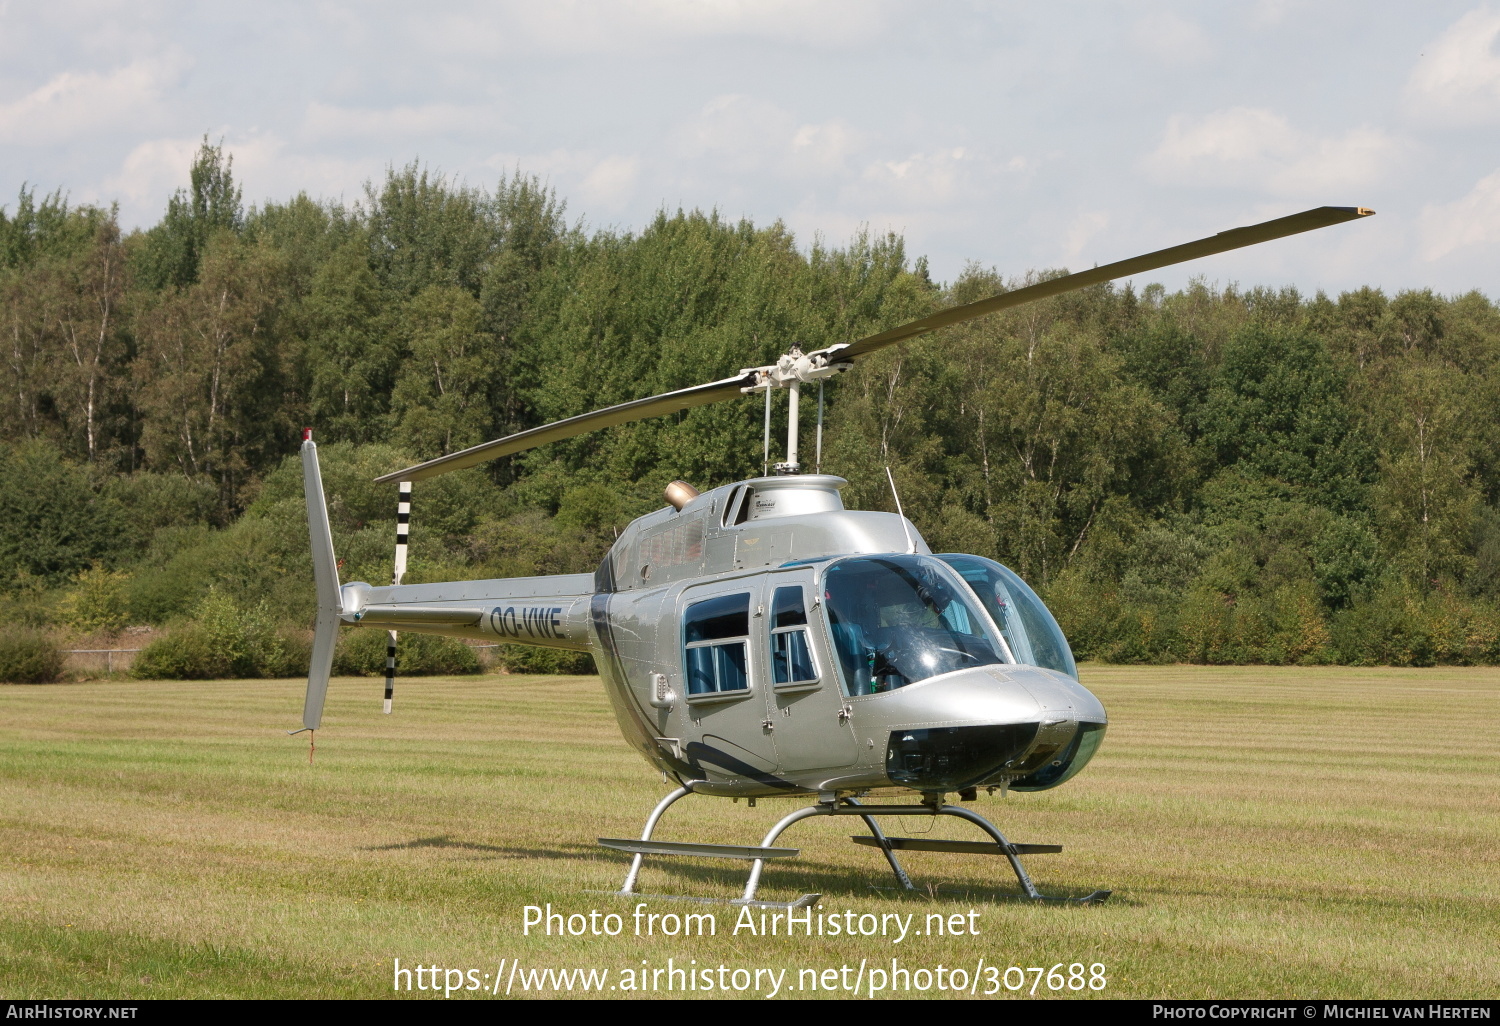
column 965, row 728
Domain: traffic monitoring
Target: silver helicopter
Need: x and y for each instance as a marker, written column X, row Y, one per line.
column 760, row 640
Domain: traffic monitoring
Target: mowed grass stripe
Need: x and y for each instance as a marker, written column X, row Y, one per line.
column 1269, row 832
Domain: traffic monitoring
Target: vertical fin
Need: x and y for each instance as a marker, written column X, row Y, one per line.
column 326, row 578
column 403, row 527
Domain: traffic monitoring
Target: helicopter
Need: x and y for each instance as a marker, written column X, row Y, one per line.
column 760, row 640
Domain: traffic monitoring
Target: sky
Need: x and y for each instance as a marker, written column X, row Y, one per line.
column 1016, row 135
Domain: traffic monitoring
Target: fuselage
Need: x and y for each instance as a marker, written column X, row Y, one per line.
column 763, row 640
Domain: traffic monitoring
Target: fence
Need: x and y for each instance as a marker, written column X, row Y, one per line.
column 110, row 662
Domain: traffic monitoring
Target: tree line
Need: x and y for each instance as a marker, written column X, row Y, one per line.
column 1217, row 474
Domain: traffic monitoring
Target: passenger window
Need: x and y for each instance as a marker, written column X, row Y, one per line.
column 791, row 657
column 716, row 633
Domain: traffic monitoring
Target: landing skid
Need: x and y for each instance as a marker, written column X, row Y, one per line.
column 805, row 901
column 1095, row 898
column 757, row 855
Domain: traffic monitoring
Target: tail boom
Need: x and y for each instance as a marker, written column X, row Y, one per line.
column 552, row 612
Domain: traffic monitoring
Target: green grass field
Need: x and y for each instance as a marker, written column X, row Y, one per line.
column 1267, row 832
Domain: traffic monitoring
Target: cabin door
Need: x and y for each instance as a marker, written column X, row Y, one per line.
column 723, row 675
column 802, row 690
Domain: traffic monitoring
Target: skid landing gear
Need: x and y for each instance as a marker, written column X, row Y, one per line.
column 757, row 855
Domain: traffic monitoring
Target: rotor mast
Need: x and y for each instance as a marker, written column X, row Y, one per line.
column 791, row 372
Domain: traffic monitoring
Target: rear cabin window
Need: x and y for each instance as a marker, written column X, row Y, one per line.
column 791, row 657
column 716, row 636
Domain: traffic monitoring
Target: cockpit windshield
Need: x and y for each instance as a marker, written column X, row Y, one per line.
column 1028, row 627
column 897, row 620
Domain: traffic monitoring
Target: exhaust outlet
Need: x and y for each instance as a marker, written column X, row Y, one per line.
column 679, row 494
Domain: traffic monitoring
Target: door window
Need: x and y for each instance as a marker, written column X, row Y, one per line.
column 716, row 633
column 791, row 655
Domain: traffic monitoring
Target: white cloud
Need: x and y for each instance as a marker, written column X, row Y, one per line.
column 549, row 165
column 826, row 147
column 1358, row 159
column 1227, row 137
column 394, row 125
column 268, row 167
column 1171, row 38
column 1248, row 147
column 643, row 26
column 832, row 178
column 74, row 103
column 152, row 170
column 590, row 181
column 1457, row 78
column 610, row 183
column 1473, row 220
column 1271, row 13
column 829, row 115
column 935, row 178
column 745, row 133
column 1085, row 227
column 263, row 166
column 737, row 128
column 799, row 21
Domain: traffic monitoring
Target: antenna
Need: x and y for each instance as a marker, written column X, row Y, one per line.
column 911, row 546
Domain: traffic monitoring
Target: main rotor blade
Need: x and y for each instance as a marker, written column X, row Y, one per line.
column 729, row 388
column 625, row 413
column 1235, row 238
